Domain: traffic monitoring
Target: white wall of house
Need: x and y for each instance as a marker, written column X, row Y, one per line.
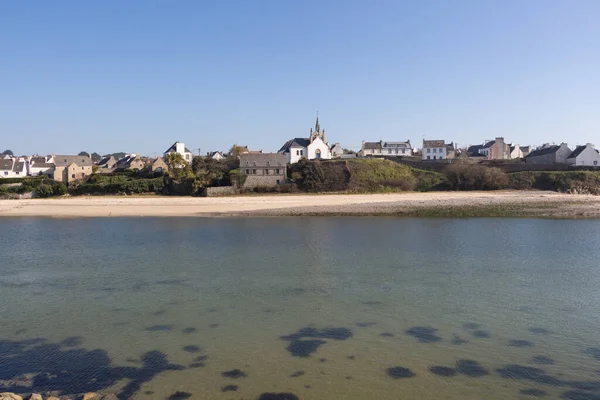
column 588, row 157
column 434, row 153
column 318, row 149
column 296, row 153
column 516, row 153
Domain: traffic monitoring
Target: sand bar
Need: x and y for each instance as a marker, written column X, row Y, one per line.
column 554, row 204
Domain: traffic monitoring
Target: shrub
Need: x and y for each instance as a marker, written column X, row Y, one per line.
column 475, row 177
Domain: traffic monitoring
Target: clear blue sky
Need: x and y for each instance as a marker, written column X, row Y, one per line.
column 135, row 76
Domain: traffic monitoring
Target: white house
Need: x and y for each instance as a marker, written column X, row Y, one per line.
column 336, row 150
column 216, row 155
column 584, row 155
column 434, row 150
column 515, row 151
column 180, row 148
column 39, row 166
column 382, row 148
column 13, row 168
column 313, row 147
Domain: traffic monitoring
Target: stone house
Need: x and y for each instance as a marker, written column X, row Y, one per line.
column 515, row 151
column 584, row 156
column 107, row 164
column 313, row 147
column 131, row 161
column 263, row 169
column 549, row 154
column 68, row 169
column 434, row 150
column 496, row 149
column 383, row 148
column 336, row 150
column 159, row 165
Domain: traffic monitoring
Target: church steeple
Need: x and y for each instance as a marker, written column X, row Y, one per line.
column 317, row 126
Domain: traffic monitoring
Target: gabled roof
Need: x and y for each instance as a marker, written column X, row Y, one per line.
column 372, row 146
column 262, row 159
column 433, row 143
column 543, row 151
column 65, row 161
column 577, row 151
column 525, row 149
column 173, row 148
column 105, row 160
column 488, row 144
column 296, row 142
column 19, row 166
column 42, row 165
column 474, row 149
column 38, row 160
column 397, row 145
column 6, row 164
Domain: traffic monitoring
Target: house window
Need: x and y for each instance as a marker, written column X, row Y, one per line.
column 254, row 163
column 277, row 171
column 278, row 181
column 82, row 168
column 389, row 151
column 5, row 172
column 595, row 162
column 65, row 160
column 396, row 151
column 301, row 152
column 73, row 176
column 268, row 163
column 17, row 172
column 247, row 172
column 247, row 163
column 266, row 171
column 428, row 157
column 403, row 151
column 429, row 150
column 253, row 172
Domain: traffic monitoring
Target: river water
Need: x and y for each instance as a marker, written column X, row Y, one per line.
column 323, row 308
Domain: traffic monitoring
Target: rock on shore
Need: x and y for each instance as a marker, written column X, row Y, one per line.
column 36, row 396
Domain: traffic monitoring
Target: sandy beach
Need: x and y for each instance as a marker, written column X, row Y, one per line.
column 512, row 203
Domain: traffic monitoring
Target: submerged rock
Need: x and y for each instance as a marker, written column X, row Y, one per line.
column 278, row 396
column 10, row 396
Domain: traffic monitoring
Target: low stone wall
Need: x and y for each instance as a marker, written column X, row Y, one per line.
column 218, row 191
column 253, row 181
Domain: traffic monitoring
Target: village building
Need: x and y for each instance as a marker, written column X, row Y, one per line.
column 217, row 155
column 383, row 148
column 179, row 148
column 313, row 147
column 68, row 169
column 549, row 154
column 584, row 156
column 336, row 150
column 107, row 164
column 263, row 169
column 38, row 166
column 130, row 161
column 434, row 150
column 159, row 165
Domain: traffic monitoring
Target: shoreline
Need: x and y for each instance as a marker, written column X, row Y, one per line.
column 410, row 204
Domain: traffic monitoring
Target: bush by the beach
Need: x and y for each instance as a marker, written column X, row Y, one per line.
column 583, row 182
column 475, row 177
column 362, row 176
column 117, row 184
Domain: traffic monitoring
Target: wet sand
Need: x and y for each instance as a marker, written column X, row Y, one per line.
column 499, row 203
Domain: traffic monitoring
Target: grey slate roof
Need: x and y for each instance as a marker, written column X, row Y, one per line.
column 19, row 166
column 42, row 165
column 173, row 148
column 372, row 146
column 296, row 142
column 578, row 151
column 6, row 164
column 488, row 144
column 399, row 145
column 38, row 160
column 433, row 143
column 543, row 151
column 263, row 160
column 65, row 161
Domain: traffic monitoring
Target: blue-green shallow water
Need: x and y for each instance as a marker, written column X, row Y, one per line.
column 149, row 307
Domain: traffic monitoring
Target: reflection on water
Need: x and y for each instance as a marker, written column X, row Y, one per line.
column 306, row 308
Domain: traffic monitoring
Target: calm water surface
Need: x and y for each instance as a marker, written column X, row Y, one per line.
column 324, row 308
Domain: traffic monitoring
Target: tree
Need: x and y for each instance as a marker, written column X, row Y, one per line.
column 84, row 153
column 7, row 153
column 96, row 157
column 235, row 151
column 348, row 151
